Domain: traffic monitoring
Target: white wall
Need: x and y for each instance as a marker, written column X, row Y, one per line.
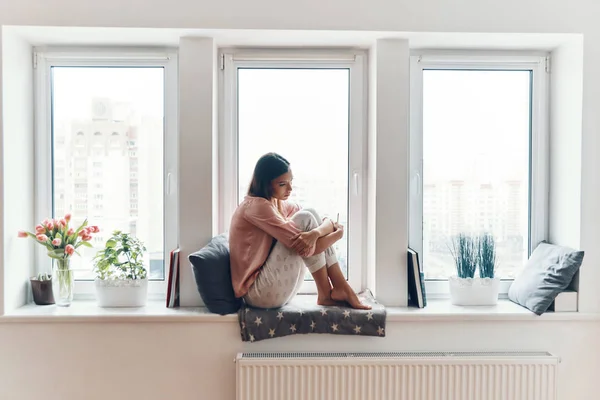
column 391, row 159
column 196, row 66
column 540, row 16
column 566, row 93
column 18, row 159
column 194, row 360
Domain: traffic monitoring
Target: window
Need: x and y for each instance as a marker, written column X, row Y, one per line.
column 478, row 158
column 310, row 109
column 111, row 92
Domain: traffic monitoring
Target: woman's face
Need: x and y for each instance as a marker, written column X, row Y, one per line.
column 282, row 186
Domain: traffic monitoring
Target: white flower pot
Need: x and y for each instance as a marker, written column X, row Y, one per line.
column 474, row 291
column 121, row 293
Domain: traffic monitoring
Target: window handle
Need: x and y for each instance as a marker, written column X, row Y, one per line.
column 418, row 178
column 356, row 183
column 169, row 184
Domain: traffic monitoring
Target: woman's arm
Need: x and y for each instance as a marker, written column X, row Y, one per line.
column 327, row 241
column 303, row 241
column 325, row 228
column 263, row 215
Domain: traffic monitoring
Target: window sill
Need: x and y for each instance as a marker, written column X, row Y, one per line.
column 88, row 311
column 505, row 310
column 155, row 311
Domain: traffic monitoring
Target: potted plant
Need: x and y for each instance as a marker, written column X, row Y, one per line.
column 41, row 288
column 471, row 254
column 120, row 273
column 61, row 241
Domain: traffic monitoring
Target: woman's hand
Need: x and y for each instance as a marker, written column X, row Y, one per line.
column 339, row 230
column 304, row 240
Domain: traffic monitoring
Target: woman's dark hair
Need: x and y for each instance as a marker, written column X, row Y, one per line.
column 267, row 168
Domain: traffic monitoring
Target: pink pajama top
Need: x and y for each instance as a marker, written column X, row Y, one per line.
column 254, row 225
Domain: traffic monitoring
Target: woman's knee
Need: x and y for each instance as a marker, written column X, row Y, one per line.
column 305, row 220
column 314, row 213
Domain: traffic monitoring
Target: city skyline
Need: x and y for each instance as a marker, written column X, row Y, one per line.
column 476, row 132
column 108, row 158
column 94, row 145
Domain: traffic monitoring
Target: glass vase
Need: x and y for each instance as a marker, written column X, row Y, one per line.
column 62, row 282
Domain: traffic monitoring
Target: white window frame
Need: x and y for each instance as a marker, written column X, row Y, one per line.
column 48, row 57
column 355, row 61
column 538, row 63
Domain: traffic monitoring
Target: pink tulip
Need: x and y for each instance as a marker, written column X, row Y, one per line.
column 42, row 238
column 56, row 242
column 94, row 229
column 45, row 222
column 40, row 229
column 86, row 238
column 50, row 225
column 22, row 234
column 68, row 217
column 70, row 231
column 69, row 249
column 62, row 223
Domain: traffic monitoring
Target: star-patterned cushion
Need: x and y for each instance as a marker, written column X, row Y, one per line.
column 303, row 315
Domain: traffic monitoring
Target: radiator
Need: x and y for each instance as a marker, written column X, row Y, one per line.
column 396, row 376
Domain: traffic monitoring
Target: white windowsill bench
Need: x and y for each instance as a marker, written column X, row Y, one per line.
column 155, row 311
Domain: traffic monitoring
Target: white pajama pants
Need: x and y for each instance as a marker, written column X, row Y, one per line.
column 281, row 277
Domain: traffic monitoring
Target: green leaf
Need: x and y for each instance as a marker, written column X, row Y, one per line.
column 86, row 244
column 119, row 258
column 55, row 256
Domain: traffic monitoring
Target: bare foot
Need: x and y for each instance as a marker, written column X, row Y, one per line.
column 346, row 294
column 326, row 301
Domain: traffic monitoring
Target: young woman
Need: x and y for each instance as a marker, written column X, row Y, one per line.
column 272, row 240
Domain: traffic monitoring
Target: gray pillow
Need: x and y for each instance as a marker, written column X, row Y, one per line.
column 548, row 272
column 213, row 276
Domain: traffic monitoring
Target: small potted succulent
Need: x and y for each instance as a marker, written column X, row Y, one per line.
column 41, row 288
column 121, row 278
column 471, row 254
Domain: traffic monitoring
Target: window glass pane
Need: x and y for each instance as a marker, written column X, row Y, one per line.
column 302, row 114
column 476, row 149
column 108, row 135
